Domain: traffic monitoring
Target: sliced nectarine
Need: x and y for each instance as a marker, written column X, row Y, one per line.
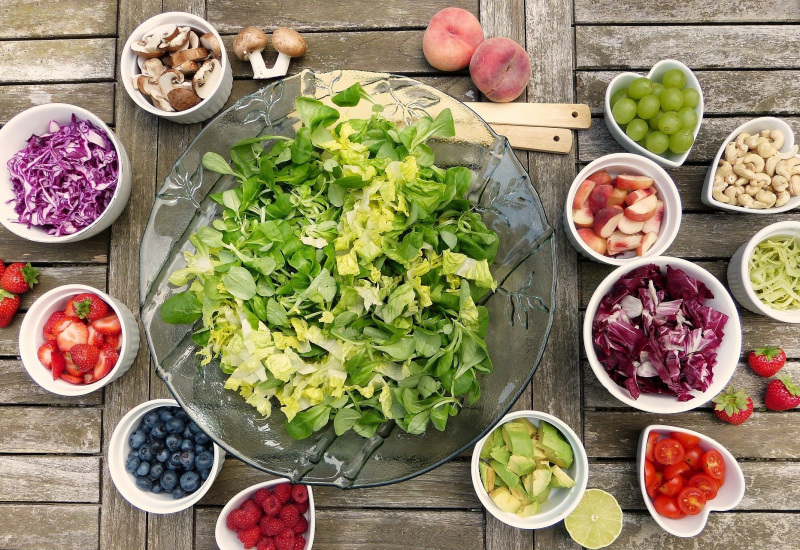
column 598, row 198
column 582, row 194
column 629, row 181
column 617, row 197
column 653, row 225
column 639, row 194
column 619, row 242
column 598, row 244
column 647, row 241
column 642, row 210
column 583, row 217
column 605, row 221
column 628, row 226
column 601, row 177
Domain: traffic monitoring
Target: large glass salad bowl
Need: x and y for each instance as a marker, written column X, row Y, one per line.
column 520, row 310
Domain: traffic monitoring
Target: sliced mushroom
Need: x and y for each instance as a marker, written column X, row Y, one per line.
column 146, row 50
column 207, row 77
column 210, row 42
column 182, row 99
column 153, row 67
column 192, row 54
column 188, row 68
column 153, row 90
column 169, row 80
column 194, row 40
column 139, row 82
column 179, row 42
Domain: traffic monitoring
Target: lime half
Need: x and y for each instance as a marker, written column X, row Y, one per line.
column 597, row 521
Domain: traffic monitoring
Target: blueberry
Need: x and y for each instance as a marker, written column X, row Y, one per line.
column 190, row 482
column 175, row 425
column 204, row 474
column 182, row 415
column 199, row 449
column 195, row 428
column 186, row 459
column 171, row 466
column 137, row 439
column 165, row 415
column 204, row 460
column 156, row 489
column 201, row 438
column 178, row 493
column 132, row 463
column 145, row 453
column 144, row 483
column 169, row 480
column 159, row 431
column 156, row 445
column 156, row 470
column 187, row 445
column 188, row 433
column 163, row 455
column 150, row 420
column 173, row 442
column 143, row 469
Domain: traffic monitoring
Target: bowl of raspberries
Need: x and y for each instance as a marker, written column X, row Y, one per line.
column 274, row 515
column 160, row 460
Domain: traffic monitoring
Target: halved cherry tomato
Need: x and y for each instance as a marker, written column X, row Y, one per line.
column 655, row 483
column 676, row 469
column 713, row 464
column 672, row 486
column 692, row 458
column 667, row 507
column 652, row 438
column 705, row 484
column 669, row 451
column 691, row 500
column 688, row 441
column 649, row 475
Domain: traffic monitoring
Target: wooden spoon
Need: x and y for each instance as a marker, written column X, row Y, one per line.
column 550, row 115
column 530, row 138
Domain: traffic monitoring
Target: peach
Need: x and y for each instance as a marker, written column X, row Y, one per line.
column 583, row 217
column 628, row 226
column 598, row 244
column 617, row 197
column 598, row 198
column 642, row 210
column 636, row 196
column 606, row 221
column 582, row 194
column 628, row 181
column 620, row 242
column 451, row 38
column 601, row 177
column 501, row 69
column 653, row 225
column 647, row 242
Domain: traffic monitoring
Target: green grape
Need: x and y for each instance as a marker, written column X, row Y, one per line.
column 648, row 107
column 680, row 142
column 669, row 123
column 674, row 78
column 637, row 129
column 654, row 121
column 691, row 97
column 619, row 94
column 657, row 89
column 624, row 111
column 688, row 118
column 640, row 87
column 671, row 99
column 657, row 142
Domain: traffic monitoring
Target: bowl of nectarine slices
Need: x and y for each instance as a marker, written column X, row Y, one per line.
column 620, row 207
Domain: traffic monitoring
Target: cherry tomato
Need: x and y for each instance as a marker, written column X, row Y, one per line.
column 676, row 470
column 672, row 486
column 692, row 458
column 705, row 484
column 668, row 507
column 713, row 464
column 652, row 438
column 655, row 483
column 688, row 441
column 669, row 451
column 691, row 500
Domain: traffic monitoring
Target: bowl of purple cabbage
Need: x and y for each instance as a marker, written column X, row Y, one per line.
column 662, row 335
column 64, row 175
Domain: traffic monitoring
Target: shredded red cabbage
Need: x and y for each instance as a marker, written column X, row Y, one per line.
column 653, row 334
column 64, row 180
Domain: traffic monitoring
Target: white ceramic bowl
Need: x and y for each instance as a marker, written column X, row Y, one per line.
column 562, row 501
column 752, row 127
column 728, row 497
column 739, row 273
column 728, row 352
column 129, row 67
column 118, row 449
column 227, row 540
column 626, row 163
column 31, row 338
column 622, row 80
column 14, row 137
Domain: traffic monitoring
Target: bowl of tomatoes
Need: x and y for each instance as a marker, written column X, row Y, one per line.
column 685, row 475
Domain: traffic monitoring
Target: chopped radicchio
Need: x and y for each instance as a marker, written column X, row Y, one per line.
column 65, row 179
column 654, row 334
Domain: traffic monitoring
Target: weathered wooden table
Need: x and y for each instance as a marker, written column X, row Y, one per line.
column 55, row 491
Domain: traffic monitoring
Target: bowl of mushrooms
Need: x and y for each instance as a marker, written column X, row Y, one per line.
column 756, row 171
column 174, row 65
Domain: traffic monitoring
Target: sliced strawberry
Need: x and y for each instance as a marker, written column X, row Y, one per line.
column 111, row 353
column 77, row 380
column 48, row 326
column 103, row 367
column 84, row 356
column 71, row 369
column 113, row 340
column 75, row 333
column 59, row 364
column 108, row 325
column 96, row 339
column 45, row 353
column 62, row 324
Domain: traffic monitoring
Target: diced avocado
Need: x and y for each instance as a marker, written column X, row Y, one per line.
column 530, row 426
column 519, row 439
column 538, row 453
column 521, row 465
column 542, row 497
column 556, row 448
column 501, row 454
column 498, row 481
column 487, row 476
column 497, row 438
column 505, row 474
column 520, row 494
column 527, row 482
column 505, row 500
column 560, row 478
column 506, row 437
column 529, row 510
column 543, row 464
column 541, row 480
column 486, row 450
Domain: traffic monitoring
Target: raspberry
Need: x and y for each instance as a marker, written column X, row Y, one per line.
column 299, row 493
column 235, row 517
column 283, row 492
column 301, row 526
column 249, row 537
column 290, row 515
column 271, row 506
column 271, row 526
column 266, row 544
column 303, row 507
column 299, row 543
column 229, row 521
column 285, row 540
column 248, row 518
column 260, row 496
column 252, row 507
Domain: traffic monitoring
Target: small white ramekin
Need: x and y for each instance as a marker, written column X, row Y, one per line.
column 118, row 449
column 129, row 67
column 622, row 80
column 561, row 501
column 31, row 339
column 739, row 272
column 627, row 163
column 227, row 540
column 14, row 137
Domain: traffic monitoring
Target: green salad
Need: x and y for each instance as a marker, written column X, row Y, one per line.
column 342, row 278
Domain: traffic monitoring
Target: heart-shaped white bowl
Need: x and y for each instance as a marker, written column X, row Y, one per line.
column 622, row 80
column 752, row 127
column 728, row 497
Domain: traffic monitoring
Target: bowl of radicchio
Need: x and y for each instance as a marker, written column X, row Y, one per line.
column 662, row 335
column 64, row 175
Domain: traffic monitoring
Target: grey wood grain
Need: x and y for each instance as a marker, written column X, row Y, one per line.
column 93, row 250
column 77, row 430
column 689, row 11
column 49, row 526
column 31, row 19
column 97, row 97
column 75, row 60
column 42, row 478
column 18, row 388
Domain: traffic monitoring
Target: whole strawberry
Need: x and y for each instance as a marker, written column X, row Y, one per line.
column 766, row 361
column 782, row 394
column 733, row 406
column 19, row 278
column 8, row 307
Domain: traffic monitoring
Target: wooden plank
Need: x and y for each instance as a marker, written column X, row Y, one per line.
column 699, row 47
column 689, row 11
column 610, row 434
column 77, row 430
column 93, row 250
column 338, row 529
column 17, row 388
column 97, row 97
column 42, row 478
column 48, row 527
column 57, row 60
column 229, row 16
column 30, row 19
column 52, row 277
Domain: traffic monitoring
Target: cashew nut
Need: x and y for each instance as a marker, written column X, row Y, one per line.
column 740, row 181
column 717, row 194
column 787, row 167
column 766, row 133
column 758, row 205
column 730, row 153
column 767, row 197
column 783, row 198
column 779, row 183
column 761, row 180
column 788, row 154
column 766, row 150
column 771, row 163
column 740, row 140
column 742, row 171
column 745, row 200
column 751, row 189
column 756, row 160
column 752, row 141
column 777, row 138
column 794, row 185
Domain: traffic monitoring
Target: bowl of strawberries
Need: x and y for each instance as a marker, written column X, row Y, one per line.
column 76, row 339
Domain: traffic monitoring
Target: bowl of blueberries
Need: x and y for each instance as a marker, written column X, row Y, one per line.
column 161, row 461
